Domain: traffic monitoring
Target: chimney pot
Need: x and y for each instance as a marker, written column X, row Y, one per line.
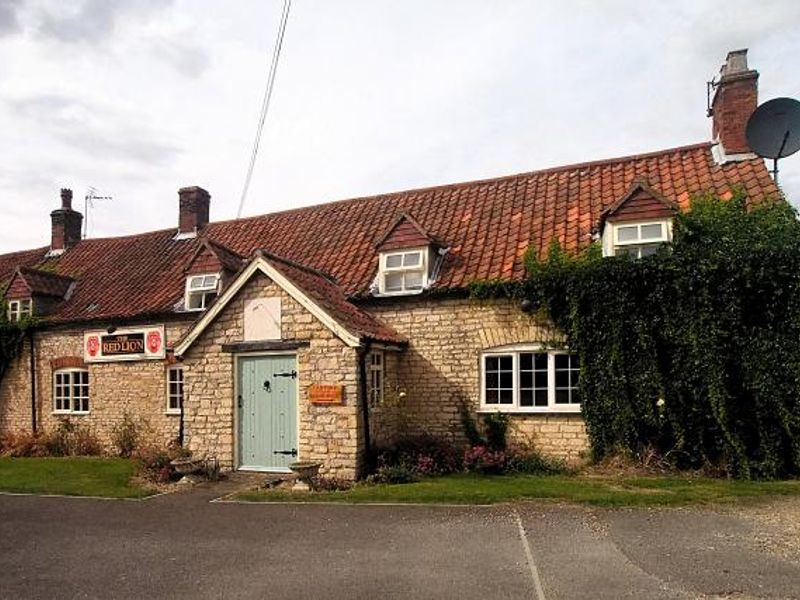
column 735, row 99
column 66, row 198
column 193, row 210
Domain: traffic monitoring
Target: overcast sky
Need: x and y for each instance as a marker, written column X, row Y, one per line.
column 140, row 97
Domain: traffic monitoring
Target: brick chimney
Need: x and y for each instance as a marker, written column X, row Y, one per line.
column 735, row 99
column 193, row 211
column 66, row 224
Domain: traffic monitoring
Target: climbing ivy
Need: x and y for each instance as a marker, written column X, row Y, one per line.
column 12, row 335
column 693, row 352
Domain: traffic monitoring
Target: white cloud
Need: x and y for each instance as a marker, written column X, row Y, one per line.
column 141, row 98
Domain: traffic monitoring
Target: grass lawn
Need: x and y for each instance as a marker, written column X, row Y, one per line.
column 90, row 476
column 597, row 491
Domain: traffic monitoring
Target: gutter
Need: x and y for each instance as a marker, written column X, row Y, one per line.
column 34, row 424
column 364, row 397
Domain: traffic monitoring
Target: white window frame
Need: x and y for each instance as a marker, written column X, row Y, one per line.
column 71, row 398
column 179, row 396
column 421, row 268
column 515, row 407
column 376, row 370
column 611, row 241
column 203, row 291
column 19, row 309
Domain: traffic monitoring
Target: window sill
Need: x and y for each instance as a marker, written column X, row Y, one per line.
column 172, row 413
column 528, row 411
column 69, row 413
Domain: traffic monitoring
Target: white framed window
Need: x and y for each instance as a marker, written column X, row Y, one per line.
column 530, row 379
column 375, row 376
column 19, row 309
column 201, row 290
column 174, row 390
column 639, row 239
column 71, row 391
column 403, row 272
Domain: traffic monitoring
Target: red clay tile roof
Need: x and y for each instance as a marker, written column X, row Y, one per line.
column 324, row 291
column 487, row 226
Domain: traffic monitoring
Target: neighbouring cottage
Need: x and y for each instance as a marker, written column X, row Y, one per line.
column 319, row 332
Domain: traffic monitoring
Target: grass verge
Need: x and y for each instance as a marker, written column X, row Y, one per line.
column 596, row 491
column 84, row 476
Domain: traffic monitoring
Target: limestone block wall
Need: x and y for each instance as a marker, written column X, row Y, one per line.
column 135, row 388
column 329, row 434
column 441, row 368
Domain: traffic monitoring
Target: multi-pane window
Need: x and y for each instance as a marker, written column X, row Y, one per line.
column 71, row 391
column 19, row 309
column 174, row 389
column 201, row 290
column 531, row 381
column 640, row 239
column 375, row 377
column 403, row 272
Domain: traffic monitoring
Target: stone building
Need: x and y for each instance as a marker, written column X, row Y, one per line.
column 321, row 332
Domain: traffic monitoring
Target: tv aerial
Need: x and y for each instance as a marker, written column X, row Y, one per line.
column 88, row 203
column 773, row 130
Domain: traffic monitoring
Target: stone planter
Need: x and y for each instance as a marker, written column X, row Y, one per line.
column 188, row 465
column 305, row 471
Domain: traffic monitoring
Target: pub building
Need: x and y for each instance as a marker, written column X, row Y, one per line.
column 320, row 333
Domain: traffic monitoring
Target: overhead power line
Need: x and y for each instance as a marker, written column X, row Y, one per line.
column 273, row 69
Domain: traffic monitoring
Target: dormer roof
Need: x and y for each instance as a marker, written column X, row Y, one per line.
column 405, row 232
column 28, row 282
column 212, row 257
column 642, row 202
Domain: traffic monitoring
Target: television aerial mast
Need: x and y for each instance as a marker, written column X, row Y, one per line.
column 88, row 203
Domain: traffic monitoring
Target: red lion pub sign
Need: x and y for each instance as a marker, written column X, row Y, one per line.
column 146, row 343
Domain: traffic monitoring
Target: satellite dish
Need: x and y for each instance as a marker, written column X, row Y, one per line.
column 773, row 130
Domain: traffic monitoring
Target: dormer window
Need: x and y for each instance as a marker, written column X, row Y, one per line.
column 19, row 309
column 201, row 290
column 404, row 272
column 639, row 239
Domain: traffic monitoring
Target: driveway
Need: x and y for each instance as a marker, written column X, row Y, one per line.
column 181, row 545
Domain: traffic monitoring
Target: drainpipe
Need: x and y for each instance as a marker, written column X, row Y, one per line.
column 363, row 391
column 34, row 424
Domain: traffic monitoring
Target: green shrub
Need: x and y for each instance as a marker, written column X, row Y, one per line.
column 72, row 439
column 126, row 436
column 533, row 463
column 496, row 427
column 394, row 474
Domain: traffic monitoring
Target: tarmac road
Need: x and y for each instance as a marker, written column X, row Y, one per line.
column 183, row 546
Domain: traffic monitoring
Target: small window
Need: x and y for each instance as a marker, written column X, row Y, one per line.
column 639, row 239
column 19, row 309
column 403, row 272
column 376, row 377
column 174, row 389
column 535, row 381
column 71, row 391
column 201, row 290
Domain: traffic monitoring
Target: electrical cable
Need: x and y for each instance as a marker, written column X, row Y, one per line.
column 273, row 69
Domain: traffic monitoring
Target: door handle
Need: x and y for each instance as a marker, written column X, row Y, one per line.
column 267, row 386
column 240, row 401
column 292, row 452
column 292, row 374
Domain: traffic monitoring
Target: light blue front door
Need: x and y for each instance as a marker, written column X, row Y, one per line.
column 267, row 412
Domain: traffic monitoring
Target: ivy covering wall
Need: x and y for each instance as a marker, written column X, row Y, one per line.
column 693, row 352
column 12, row 336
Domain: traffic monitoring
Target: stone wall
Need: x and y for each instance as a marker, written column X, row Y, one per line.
column 135, row 388
column 441, row 368
column 329, row 434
